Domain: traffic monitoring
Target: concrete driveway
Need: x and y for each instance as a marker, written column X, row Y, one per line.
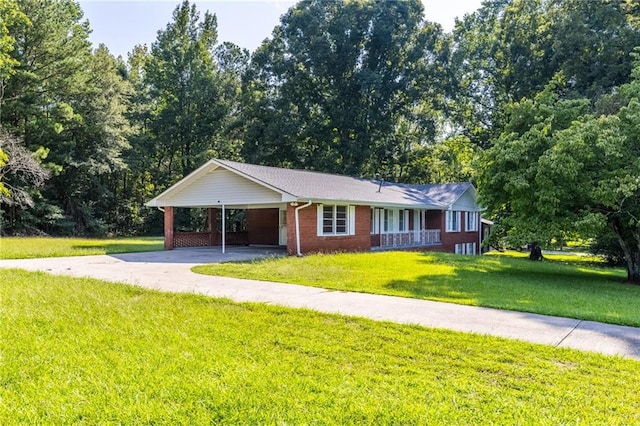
column 170, row 271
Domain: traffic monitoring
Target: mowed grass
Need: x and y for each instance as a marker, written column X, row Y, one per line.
column 573, row 287
column 38, row 247
column 89, row 352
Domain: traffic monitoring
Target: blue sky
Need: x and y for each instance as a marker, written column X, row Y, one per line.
column 121, row 25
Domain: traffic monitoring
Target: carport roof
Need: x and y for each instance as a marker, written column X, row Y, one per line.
column 305, row 185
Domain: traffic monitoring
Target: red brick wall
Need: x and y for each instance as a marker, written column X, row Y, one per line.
column 450, row 239
column 262, row 226
column 310, row 242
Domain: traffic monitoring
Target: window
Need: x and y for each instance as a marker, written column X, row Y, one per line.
column 387, row 220
column 471, row 221
column 375, row 221
column 471, row 248
column 465, row 248
column 403, row 223
column 453, row 221
column 336, row 220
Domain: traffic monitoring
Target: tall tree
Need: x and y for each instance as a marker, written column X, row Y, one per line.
column 329, row 89
column 62, row 98
column 510, row 49
column 189, row 103
column 10, row 15
column 557, row 169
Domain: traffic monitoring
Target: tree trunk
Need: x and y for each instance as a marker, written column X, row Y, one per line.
column 631, row 250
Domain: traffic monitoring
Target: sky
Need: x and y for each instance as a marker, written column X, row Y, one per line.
column 121, row 24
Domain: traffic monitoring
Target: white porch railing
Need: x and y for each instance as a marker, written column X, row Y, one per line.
column 425, row 237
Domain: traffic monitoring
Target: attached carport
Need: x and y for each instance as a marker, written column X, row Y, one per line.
column 221, row 190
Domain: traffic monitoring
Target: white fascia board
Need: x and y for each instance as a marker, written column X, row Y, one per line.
column 376, row 204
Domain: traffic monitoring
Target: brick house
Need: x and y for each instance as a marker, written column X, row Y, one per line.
column 310, row 212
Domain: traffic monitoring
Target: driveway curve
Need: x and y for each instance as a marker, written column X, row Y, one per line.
column 171, row 271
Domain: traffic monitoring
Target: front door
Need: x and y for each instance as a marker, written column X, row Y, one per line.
column 283, row 228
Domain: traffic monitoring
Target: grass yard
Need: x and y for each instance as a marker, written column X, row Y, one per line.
column 84, row 351
column 37, row 247
column 570, row 286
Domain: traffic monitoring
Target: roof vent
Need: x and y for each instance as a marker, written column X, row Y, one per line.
column 381, row 181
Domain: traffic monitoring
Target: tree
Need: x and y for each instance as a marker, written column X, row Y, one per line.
column 557, row 169
column 510, row 49
column 331, row 87
column 10, row 15
column 189, row 102
column 20, row 172
column 69, row 101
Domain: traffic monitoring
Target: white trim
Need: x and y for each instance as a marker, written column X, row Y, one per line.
column 224, row 230
column 351, row 220
column 449, row 222
column 350, row 223
column 466, row 248
column 473, row 215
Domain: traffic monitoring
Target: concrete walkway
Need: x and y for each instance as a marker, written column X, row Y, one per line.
column 170, row 271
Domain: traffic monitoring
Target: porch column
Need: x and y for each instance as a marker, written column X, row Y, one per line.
column 211, row 226
column 168, row 228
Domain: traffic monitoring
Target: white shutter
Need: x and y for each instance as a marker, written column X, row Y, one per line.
column 319, row 219
column 352, row 220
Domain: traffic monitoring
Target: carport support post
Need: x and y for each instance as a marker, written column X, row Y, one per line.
column 224, row 230
column 168, row 228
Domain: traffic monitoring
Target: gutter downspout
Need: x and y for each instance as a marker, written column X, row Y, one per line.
column 298, row 227
column 479, row 232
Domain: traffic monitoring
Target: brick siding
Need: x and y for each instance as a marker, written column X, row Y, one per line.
column 262, row 226
column 310, row 242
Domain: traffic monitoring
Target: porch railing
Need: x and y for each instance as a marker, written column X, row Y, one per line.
column 205, row 239
column 425, row 237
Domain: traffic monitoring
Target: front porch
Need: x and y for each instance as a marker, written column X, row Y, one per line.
column 405, row 228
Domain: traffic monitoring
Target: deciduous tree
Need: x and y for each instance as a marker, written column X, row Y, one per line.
column 557, row 169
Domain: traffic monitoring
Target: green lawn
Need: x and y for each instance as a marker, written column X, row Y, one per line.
column 89, row 352
column 570, row 287
column 37, row 247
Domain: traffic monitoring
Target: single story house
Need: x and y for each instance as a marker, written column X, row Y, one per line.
column 309, row 212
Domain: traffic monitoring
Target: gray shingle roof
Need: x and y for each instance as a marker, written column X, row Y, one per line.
column 304, row 184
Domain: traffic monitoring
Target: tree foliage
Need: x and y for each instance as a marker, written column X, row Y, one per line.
column 69, row 101
column 330, row 89
column 510, row 49
column 558, row 169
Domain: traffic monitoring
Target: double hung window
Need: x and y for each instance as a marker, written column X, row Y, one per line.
column 471, row 221
column 336, row 219
column 452, row 221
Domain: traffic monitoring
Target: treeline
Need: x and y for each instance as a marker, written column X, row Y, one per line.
column 360, row 88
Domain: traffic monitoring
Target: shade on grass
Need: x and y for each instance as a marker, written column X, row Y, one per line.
column 577, row 290
column 84, row 351
column 37, row 247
